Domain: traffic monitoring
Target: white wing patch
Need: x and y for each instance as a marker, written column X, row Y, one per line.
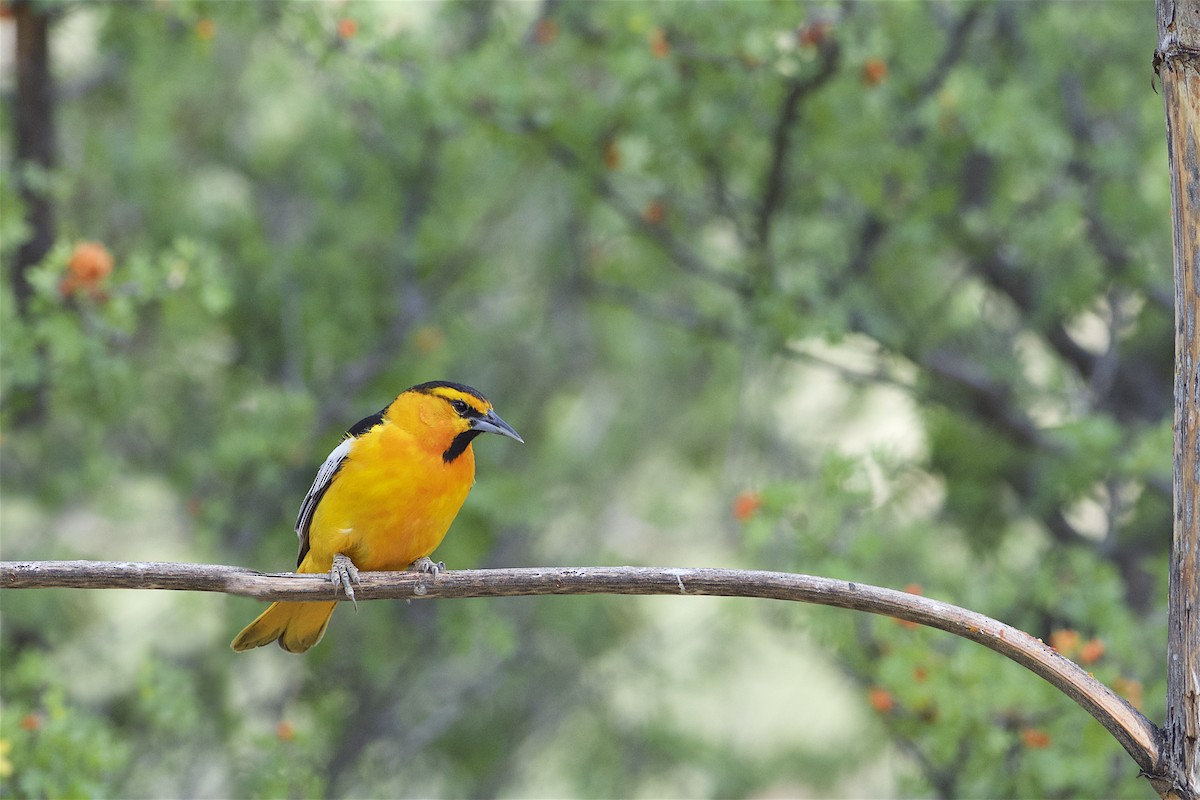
column 321, row 483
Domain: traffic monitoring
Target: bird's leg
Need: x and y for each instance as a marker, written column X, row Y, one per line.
column 344, row 575
column 427, row 566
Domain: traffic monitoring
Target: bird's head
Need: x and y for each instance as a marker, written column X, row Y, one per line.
column 452, row 415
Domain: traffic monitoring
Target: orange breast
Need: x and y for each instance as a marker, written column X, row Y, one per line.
column 390, row 504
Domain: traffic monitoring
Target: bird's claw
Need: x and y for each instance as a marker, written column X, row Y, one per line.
column 344, row 575
column 427, row 566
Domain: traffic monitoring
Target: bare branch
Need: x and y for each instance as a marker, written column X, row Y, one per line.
column 775, row 179
column 990, row 398
column 680, row 315
column 1138, row 735
column 34, row 139
column 675, row 247
column 956, row 48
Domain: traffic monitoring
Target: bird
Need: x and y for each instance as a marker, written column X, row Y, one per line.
column 383, row 500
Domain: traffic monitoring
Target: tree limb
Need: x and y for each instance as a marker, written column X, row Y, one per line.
column 675, row 247
column 775, row 179
column 35, row 156
column 1140, row 737
column 34, row 139
column 956, row 48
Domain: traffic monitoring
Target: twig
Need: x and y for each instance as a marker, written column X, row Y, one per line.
column 956, row 48
column 1140, row 737
column 675, row 247
column 775, row 179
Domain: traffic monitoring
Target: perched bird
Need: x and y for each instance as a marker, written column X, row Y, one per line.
column 383, row 500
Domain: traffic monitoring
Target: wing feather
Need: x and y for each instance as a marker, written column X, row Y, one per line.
column 325, row 476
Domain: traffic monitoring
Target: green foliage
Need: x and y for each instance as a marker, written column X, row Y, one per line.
column 913, row 329
column 62, row 752
column 962, row 707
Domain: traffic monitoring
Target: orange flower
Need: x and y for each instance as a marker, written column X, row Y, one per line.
column 812, row 34
column 1065, row 641
column 874, row 71
column 915, row 588
column 1035, row 738
column 612, row 154
column 659, row 46
column 654, row 212
column 205, row 29
column 32, row 722
column 347, row 27
column 881, row 699
column 746, row 505
column 1092, row 651
column 285, row 731
column 90, row 262
column 1130, row 689
column 545, row 31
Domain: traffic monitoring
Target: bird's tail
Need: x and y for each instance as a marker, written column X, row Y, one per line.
column 297, row 626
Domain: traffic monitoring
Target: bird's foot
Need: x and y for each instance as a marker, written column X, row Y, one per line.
column 427, row 566
column 344, row 575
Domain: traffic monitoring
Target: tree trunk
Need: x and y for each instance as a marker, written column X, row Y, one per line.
column 1178, row 65
column 34, row 139
column 35, row 155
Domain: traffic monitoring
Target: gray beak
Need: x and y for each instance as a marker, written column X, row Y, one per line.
column 491, row 423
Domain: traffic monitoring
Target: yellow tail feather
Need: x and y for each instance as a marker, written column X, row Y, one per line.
column 297, row 626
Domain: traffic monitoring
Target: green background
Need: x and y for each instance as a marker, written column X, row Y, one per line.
column 893, row 279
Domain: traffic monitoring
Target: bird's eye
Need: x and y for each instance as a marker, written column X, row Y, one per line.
column 459, row 406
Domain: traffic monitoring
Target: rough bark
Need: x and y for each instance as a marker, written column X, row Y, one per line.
column 33, row 134
column 1177, row 63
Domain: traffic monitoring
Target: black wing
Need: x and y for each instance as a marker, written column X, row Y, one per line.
column 325, row 476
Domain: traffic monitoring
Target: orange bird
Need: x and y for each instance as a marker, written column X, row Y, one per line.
column 383, row 500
